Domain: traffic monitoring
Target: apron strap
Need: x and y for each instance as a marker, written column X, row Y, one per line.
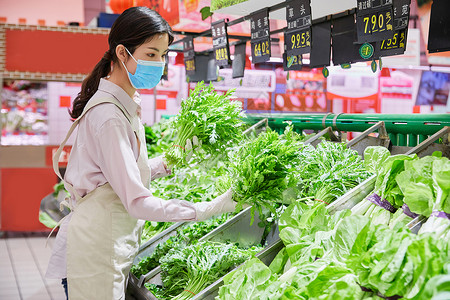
column 92, row 103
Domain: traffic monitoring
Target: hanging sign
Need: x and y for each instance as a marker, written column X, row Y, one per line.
column 397, row 44
column 220, row 43
column 374, row 20
column 260, row 36
column 297, row 36
column 189, row 55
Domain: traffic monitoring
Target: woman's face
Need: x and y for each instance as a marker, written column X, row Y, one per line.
column 153, row 50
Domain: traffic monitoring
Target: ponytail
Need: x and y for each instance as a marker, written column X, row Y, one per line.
column 90, row 84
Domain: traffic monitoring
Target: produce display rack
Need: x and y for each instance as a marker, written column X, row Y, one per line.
column 347, row 201
column 420, row 134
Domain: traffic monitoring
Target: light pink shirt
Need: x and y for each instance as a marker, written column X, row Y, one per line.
column 106, row 151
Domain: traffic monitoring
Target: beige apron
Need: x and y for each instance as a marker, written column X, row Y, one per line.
column 102, row 238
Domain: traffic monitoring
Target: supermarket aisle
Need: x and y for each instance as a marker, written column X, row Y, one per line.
column 23, row 262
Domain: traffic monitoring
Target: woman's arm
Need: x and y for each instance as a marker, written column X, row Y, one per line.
column 119, row 166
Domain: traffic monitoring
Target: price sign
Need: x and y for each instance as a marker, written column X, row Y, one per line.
column 397, row 44
column 189, row 55
column 260, row 36
column 298, row 33
column 220, row 43
column 374, row 20
column 292, row 63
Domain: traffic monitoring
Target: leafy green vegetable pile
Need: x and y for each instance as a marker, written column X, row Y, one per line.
column 189, row 233
column 153, row 228
column 343, row 256
column 273, row 169
column 328, row 171
column 410, row 185
column 214, row 119
column 187, row 271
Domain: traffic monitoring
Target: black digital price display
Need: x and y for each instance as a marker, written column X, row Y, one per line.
column 298, row 31
column 298, row 42
column 220, row 43
column 374, row 20
column 260, row 36
column 397, row 44
column 189, row 55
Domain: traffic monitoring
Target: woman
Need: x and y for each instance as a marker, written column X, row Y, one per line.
column 108, row 173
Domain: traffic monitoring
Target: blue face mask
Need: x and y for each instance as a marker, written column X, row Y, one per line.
column 148, row 73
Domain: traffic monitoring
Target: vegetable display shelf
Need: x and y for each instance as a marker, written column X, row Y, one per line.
column 267, row 255
column 247, row 235
column 236, row 230
column 350, row 199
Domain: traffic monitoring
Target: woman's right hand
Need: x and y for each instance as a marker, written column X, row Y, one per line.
column 222, row 204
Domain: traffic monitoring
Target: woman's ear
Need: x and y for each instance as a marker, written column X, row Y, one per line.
column 121, row 53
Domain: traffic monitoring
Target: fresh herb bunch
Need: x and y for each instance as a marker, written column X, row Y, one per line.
column 259, row 169
column 189, row 233
column 188, row 271
column 328, row 171
column 213, row 118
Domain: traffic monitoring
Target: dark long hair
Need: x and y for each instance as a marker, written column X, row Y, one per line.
column 133, row 27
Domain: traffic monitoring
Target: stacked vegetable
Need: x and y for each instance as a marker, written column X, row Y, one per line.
column 187, row 271
column 207, row 121
column 186, row 235
column 407, row 186
column 343, row 256
column 273, row 169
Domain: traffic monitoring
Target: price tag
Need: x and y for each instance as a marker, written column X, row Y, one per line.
column 292, row 63
column 220, row 43
column 298, row 31
column 397, row 44
column 189, row 55
column 260, row 36
column 298, row 42
column 374, row 20
column 394, row 46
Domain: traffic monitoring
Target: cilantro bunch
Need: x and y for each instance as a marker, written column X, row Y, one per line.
column 187, row 234
column 188, row 271
column 214, row 119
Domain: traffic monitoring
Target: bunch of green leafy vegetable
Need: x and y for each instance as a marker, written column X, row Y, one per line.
column 187, row 271
column 153, row 228
column 386, row 168
column 419, row 185
column 214, row 120
column 328, row 171
column 189, row 233
column 259, row 169
column 439, row 221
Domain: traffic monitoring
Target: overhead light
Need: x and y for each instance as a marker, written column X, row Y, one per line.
column 172, row 53
column 306, row 61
